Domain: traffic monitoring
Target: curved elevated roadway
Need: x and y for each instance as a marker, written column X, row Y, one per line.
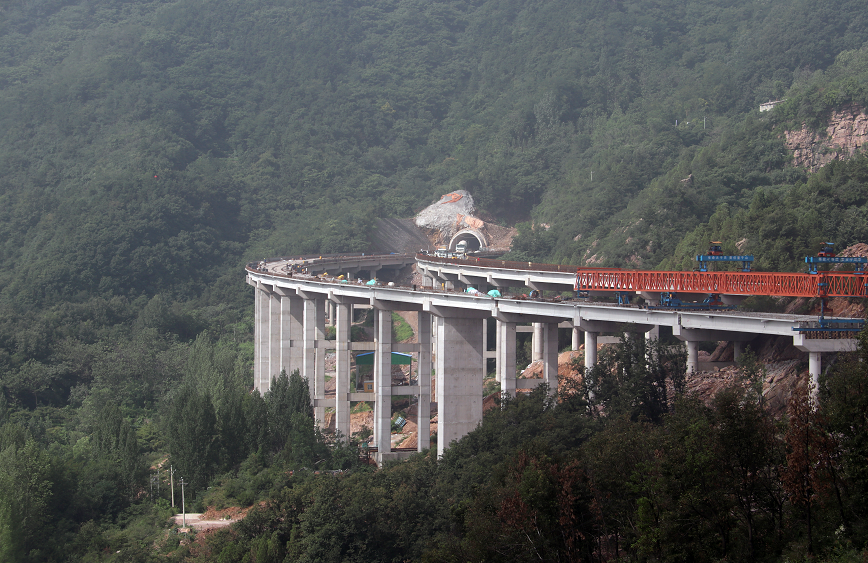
column 290, row 331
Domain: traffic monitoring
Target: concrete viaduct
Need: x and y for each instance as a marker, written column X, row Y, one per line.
column 290, row 312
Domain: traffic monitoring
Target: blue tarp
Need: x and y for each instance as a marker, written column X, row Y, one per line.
column 494, row 293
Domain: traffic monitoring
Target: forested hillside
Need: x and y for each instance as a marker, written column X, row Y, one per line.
column 149, row 149
column 152, row 146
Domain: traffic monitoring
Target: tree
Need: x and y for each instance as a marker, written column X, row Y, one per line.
column 810, row 454
column 190, row 427
column 286, row 396
column 633, row 378
column 617, row 459
column 844, row 403
column 25, row 490
column 234, row 434
column 682, row 511
column 748, row 458
column 114, row 443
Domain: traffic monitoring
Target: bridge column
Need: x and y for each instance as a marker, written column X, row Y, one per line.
column 815, row 367
column 294, row 340
column 274, row 340
column 487, row 344
column 737, row 350
column 506, row 357
column 815, row 349
column 497, row 369
column 692, row 356
column 577, row 336
column 460, row 371
column 287, row 329
column 423, row 377
column 383, row 380
column 267, row 338
column 258, row 335
column 590, row 349
column 537, row 342
column 314, row 357
column 550, row 356
column 342, row 369
column 330, row 313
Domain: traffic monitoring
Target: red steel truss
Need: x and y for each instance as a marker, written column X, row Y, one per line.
column 824, row 284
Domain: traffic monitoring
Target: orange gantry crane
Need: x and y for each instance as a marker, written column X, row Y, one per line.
column 822, row 284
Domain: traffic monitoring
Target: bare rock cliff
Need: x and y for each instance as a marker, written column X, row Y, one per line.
column 845, row 134
column 455, row 212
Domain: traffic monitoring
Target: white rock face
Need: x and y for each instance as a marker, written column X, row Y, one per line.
column 453, row 210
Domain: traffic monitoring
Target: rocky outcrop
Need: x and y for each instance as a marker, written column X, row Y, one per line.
column 451, row 213
column 454, row 213
column 845, row 134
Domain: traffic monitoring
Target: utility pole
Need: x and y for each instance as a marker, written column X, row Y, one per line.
column 172, row 481
column 183, row 505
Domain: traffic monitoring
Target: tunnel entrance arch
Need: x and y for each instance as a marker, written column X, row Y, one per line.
column 475, row 240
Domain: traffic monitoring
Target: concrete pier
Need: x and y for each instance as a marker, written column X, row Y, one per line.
column 815, row 368
column 506, row 356
column 576, row 338
column 692, row 356
column 273, row 340
column 737, row 350
column 550, row 356
column 460, row 371
column 296, row 334
column 537, row 344
column 314, row 356
column 342, row 369
column 383, row 380
column 423, row 419
column 590, row 349
column 285, row 316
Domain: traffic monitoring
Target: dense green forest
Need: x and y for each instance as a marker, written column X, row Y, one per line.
column 655, row 480
column 149, row 149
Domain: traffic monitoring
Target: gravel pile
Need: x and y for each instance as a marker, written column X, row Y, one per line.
column 445, row 214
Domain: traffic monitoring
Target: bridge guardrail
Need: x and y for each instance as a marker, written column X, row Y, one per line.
column 508, row 264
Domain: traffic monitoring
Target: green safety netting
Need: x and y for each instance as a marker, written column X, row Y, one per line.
column 367, row 359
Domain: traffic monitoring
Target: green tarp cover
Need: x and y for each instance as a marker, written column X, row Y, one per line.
column 367, row 359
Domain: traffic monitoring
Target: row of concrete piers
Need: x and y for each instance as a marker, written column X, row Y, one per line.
column 459, row 278
column 453, row 341
column 291, row 334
